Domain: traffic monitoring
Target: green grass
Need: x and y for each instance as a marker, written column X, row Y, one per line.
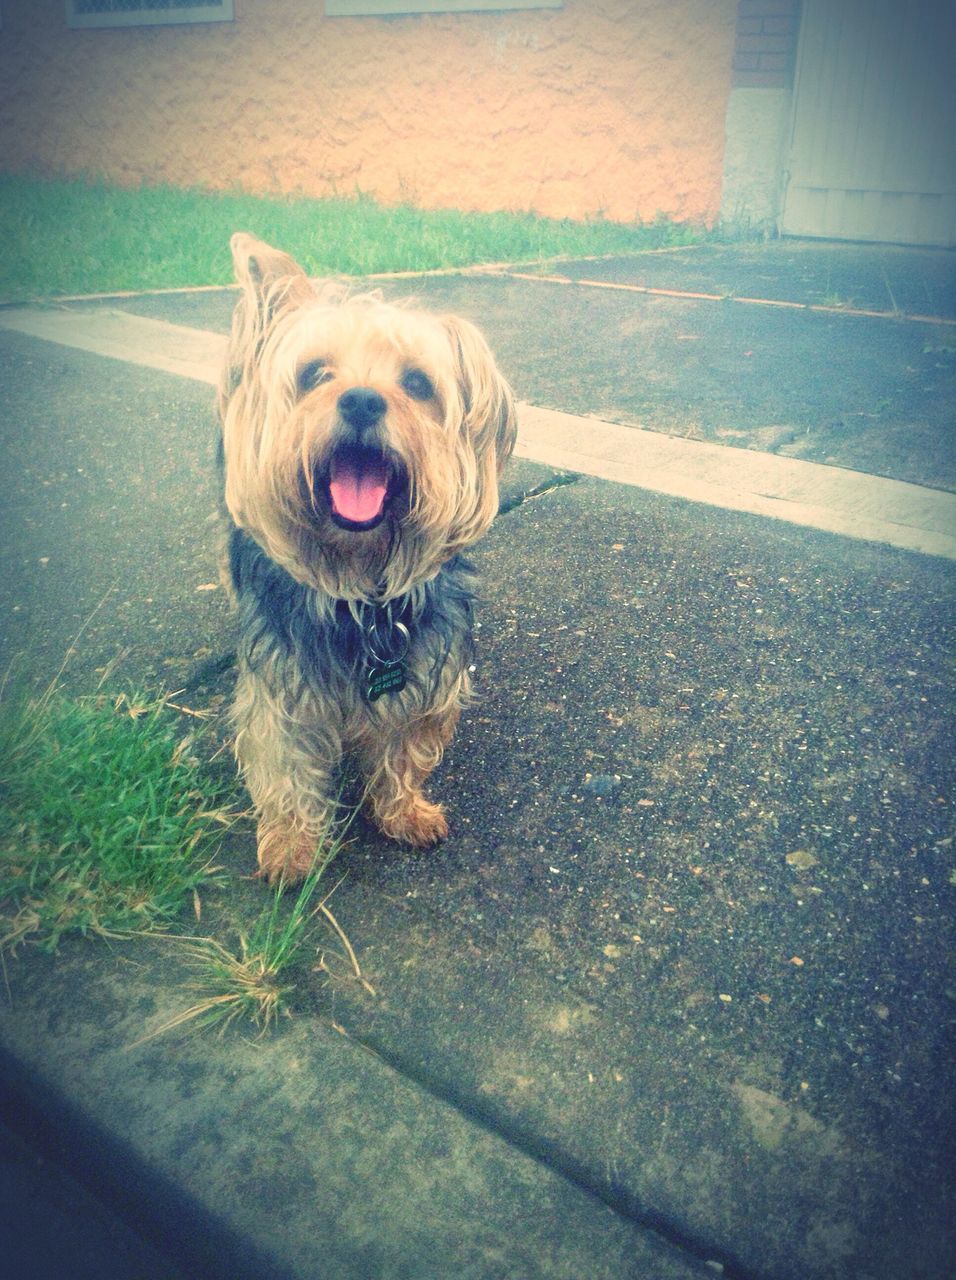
column 68, row 237
column 110, row 817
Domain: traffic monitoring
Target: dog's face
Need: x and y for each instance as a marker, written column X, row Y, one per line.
column 363, row 441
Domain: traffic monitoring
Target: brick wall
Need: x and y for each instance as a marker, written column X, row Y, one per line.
column 766, row 43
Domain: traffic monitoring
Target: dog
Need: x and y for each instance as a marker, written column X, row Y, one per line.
column 360, row 452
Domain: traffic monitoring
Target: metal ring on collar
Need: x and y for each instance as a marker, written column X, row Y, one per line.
column 392, row 646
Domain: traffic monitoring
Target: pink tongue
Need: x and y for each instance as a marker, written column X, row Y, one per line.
column 358, row 493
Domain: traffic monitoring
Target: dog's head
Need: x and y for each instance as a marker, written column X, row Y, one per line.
column 363, row 441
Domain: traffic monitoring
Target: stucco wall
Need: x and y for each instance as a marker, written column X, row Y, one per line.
column 605, row 106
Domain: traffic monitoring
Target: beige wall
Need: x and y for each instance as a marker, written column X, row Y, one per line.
column 605, row 106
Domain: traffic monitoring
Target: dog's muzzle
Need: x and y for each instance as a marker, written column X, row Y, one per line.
column 360, row 477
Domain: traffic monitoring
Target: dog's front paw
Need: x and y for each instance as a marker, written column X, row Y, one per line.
column 285, row 851
column 420, row 824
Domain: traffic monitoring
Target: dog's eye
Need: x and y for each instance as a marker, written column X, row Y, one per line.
column 312, row 375
column 417, row 384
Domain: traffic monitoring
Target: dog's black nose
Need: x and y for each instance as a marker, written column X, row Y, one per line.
column 361, row 407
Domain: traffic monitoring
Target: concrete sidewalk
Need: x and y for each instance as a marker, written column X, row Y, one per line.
column 672, row 999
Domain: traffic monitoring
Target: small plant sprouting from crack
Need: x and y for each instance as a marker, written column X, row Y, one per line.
column 560, row 480
column 250, row 981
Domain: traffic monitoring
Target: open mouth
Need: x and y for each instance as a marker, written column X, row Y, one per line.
column 360, row 483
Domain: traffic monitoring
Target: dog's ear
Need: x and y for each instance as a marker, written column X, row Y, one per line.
column 489, row 411
column 270, row 279
column 258, row 263
column 272, row 283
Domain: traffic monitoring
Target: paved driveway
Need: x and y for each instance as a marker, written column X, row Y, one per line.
column 673, row 996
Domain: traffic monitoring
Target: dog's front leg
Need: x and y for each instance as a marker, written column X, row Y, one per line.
column 289, row 753
column 396, row 765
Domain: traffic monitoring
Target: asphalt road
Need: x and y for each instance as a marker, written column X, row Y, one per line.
column 675, row 988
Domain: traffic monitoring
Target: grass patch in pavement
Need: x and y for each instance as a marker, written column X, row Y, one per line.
column 110, row 816
column 73, row 237
column 111, row 819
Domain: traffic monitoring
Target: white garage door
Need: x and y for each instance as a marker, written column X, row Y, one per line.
column 873, row 153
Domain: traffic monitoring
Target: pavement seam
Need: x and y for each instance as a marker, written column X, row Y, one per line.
column 521, row 270
column 692, row 296
column 471, row 269
column 546, row 1153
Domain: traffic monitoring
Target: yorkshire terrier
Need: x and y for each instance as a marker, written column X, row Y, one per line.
column 361, row 448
